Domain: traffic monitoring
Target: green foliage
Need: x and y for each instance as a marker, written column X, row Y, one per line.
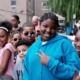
column 65, row 8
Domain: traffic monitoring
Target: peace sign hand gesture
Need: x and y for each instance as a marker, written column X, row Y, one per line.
column 44, row 58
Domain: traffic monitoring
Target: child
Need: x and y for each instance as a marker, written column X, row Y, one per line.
column 14, row 38
column 77, row 42
column 21, row 46
column 77, row 46
column 28, row 32
column 56, row 58
column 15, row 20
column 6, row 49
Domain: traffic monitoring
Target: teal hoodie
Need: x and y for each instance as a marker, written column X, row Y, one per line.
column 61, row 65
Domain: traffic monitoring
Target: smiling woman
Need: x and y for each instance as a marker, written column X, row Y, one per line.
column 56, row 58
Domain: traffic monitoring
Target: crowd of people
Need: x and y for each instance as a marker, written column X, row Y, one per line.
column 36, row 51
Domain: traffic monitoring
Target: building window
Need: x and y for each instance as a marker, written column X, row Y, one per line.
column 44, row 5
column 13, row 2
column 13, row 5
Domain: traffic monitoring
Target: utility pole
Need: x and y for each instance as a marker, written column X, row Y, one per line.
column 34, row 7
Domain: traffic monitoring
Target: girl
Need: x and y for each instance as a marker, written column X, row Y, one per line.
column 14, row 38
column 77, row 46
column 15, row 20
column 6, row 49
column 56, row 58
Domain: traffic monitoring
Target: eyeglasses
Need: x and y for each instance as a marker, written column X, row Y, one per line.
column 26, row 33
column 16, row 39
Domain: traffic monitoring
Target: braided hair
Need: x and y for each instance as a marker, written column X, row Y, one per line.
column 51, row 16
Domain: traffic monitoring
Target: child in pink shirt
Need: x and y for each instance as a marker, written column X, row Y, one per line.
column 6, row 50
column 10, row 66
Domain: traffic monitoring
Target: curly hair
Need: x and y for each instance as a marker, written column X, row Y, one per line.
column 23, row 42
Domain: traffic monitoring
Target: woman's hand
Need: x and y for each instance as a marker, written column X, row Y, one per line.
column 44, row 58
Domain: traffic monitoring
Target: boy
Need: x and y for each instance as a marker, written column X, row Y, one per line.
column 28, row 32
column 22, row 46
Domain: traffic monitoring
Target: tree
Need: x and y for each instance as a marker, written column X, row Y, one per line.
column 65, row 8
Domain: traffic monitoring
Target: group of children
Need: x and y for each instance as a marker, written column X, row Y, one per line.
column 21, row 42
column 14, row 45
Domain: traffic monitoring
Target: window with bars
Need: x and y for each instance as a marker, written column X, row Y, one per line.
column 13, row 5
column 44, row 5
column 13, row 2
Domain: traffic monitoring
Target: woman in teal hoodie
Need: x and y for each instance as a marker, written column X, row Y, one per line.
column 52, row 56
